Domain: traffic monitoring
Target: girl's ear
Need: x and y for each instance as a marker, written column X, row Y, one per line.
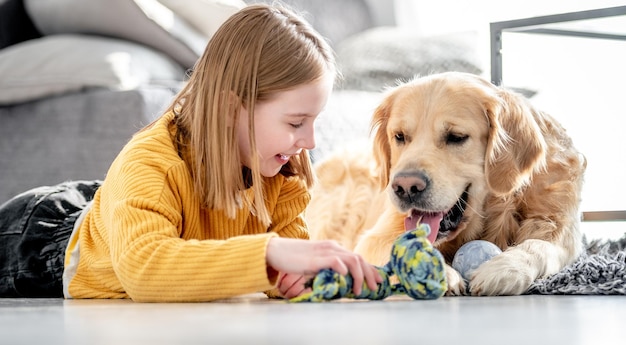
column 516, row 147
column 234, row 108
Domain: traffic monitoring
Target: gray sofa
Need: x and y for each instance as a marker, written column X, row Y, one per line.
column 78, row 78
column 75, row 86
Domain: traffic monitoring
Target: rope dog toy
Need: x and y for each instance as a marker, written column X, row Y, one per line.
column 418, row 266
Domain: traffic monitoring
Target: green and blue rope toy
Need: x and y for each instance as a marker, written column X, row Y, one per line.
column 418, row 266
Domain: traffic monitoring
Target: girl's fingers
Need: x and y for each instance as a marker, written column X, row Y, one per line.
column 345, row 262
column 355, row 265
column 286, row 282
column 372, row 277
column 295, row 290
column 335, row 263
column 291, row 285
column 362, row 271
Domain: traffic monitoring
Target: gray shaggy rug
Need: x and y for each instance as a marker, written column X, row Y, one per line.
column 600, row 270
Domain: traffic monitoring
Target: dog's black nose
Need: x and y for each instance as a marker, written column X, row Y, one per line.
column 409, row 186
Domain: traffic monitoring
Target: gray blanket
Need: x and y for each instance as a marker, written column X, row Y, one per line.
column 600, row 270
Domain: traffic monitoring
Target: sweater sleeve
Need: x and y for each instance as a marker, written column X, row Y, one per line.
column 154, row 264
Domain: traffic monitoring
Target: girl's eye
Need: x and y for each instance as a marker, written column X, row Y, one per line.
column 296, row 125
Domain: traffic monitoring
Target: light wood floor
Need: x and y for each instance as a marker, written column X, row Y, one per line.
column 255, row 320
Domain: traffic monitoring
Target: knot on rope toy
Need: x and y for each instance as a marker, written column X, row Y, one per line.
column 418, row 266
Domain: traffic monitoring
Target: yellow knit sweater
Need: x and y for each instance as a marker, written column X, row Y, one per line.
column 146, row 237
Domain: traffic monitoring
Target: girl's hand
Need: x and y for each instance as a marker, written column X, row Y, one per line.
column 307, row 257
column 292, row 285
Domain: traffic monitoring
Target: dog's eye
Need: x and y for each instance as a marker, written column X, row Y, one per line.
column 453, row 138
column 399, row 137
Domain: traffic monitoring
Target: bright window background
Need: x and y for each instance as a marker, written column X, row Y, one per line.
column 580, row 81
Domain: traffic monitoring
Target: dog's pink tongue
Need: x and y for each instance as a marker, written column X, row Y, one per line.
column 432, row 219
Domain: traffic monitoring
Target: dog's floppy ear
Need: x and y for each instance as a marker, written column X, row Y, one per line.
column 516, row 147
column 381, row 148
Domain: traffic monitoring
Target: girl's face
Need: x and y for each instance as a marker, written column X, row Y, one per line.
column 284, row 125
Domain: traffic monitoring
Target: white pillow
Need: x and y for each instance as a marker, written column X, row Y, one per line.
column 64, row 63
column 143, row 21
column 204, row 15
column 383, row 56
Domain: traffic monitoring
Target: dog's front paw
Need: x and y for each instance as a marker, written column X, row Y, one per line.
column 456, row 284
column 503, row 275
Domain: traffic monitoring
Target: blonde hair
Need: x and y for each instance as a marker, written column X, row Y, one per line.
column 257, row 52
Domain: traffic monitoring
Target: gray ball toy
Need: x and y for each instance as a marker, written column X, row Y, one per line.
column 473, row 254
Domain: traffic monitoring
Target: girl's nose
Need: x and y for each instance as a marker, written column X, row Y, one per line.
column 307, row 141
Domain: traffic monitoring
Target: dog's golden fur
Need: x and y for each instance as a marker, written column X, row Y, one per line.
column 456, row 139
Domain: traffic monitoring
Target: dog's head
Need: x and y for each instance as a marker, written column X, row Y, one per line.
column 446, row 141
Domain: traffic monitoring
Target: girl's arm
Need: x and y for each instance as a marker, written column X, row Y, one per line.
column 153, row 263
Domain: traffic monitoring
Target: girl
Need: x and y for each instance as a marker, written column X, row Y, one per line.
column 205, row 203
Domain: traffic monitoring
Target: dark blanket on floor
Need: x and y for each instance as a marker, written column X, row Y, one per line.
column 600, row 270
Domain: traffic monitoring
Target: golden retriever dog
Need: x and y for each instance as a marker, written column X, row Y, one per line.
column 473, row 161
